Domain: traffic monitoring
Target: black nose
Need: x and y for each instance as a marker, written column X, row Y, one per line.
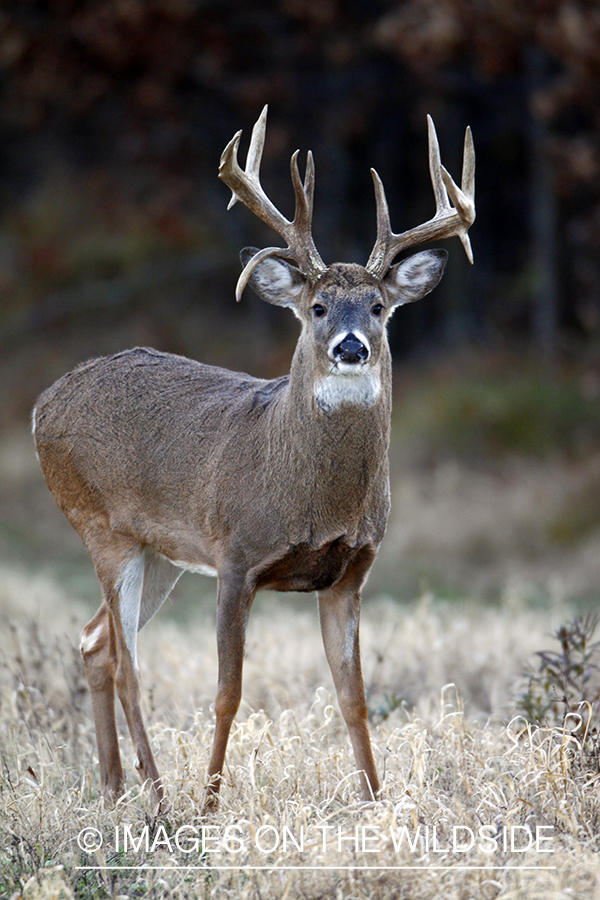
column 351, row 350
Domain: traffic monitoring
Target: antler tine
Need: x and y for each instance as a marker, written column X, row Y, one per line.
column 304, row 192
column 246, row 187
column 463, row 198
column 309, row 181
column 449, row 221
column 435, row 169
column 245, row 183
column 302, row 223
column 377, row 260
column 257, row 145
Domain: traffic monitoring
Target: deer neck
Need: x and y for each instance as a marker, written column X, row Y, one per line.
column 340, row 457
column 341, row 439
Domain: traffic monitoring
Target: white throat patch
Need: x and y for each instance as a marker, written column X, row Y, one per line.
column 337, row 388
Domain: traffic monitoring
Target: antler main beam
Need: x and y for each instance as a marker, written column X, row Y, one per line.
column 449, row 221
column 246, row 187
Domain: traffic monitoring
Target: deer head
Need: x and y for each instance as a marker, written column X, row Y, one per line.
column 344, row 307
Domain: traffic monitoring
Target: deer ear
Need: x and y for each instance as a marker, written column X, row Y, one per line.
column 275, row 280
column 415, row 277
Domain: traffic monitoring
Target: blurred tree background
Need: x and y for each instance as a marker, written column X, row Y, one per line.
column 113, row 115
column 114, row 232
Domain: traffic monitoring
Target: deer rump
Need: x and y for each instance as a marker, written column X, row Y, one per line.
column 174, row 444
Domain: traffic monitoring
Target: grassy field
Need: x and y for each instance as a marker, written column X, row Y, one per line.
column 498, row 538
column 476, row 802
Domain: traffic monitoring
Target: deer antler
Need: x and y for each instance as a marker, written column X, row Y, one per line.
column 447, row 222
column 246, row 187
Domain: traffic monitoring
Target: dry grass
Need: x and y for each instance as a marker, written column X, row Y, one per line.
column 451, row 758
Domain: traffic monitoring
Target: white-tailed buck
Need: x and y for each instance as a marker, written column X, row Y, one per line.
column 163, row 464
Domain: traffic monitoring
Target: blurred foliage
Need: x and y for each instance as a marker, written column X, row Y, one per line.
column 496, row 409
column 578, row 519
column 113, row 115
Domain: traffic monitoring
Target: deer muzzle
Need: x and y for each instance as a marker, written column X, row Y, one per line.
column 351, row 349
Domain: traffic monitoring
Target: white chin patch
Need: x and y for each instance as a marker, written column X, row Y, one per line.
column 347, row 387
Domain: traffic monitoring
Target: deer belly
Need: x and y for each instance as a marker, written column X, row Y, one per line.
column 306, row 568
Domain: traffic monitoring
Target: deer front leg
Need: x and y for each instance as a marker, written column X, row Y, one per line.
column 233, row 605
column 339, row 611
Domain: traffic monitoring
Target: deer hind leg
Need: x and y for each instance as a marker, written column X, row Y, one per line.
column 145, row 582
column 132, row 596
column 98, row 648
column 233, row 606
column 125, row 603
column 339, row 611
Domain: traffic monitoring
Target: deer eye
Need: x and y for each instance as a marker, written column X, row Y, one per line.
column 318, row 311
column 377, row 309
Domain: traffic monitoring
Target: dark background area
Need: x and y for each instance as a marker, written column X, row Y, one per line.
column 113, row 115
column 114, row 231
